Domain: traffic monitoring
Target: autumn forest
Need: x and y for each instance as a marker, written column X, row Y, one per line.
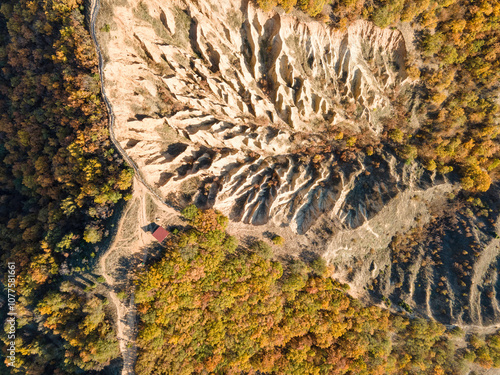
column 210, row 303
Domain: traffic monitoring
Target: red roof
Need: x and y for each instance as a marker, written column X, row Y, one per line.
column 160, row 234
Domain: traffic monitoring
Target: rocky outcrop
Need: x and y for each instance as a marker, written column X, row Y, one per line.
column 222, row 104
column 246, row 83
column 451, row 270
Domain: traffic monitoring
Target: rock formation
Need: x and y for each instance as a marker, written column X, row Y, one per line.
column 222, row 104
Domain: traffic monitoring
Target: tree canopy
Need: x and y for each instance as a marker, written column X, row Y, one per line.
column 220, row 311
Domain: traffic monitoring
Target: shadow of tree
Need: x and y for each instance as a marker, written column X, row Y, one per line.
column 308, row 256
column 269, row 235
column 249, row 240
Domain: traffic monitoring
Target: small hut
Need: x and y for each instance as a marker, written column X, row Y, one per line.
column 160, row 234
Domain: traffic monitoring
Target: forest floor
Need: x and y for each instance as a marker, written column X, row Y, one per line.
column 132, row 244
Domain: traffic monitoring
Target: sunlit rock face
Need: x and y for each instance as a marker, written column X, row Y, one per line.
column 229, row 107
column 226, row 92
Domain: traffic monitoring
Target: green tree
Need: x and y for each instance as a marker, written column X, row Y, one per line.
column 262, row 249
column 92, row 234
column 190, row 212
column 318, row 266
column 278, row 240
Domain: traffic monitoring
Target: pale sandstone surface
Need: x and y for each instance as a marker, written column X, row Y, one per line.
column 218, row 103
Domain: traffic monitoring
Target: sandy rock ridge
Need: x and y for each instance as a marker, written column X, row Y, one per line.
column 249, row 89
column 221, row 104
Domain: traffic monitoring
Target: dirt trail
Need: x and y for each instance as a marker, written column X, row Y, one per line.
column 117, row 264
column 130, row 241
column 126, row 321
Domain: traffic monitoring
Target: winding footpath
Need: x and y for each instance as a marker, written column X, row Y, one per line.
column 124, row 249
column 94, row 11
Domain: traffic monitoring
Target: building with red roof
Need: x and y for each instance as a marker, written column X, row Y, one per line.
column 160, row 234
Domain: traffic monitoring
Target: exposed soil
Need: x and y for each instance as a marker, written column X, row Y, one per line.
column 130, row 248
column 222, row 104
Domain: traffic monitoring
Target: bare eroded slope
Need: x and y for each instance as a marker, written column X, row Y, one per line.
column 248, row 90
column 221, row 104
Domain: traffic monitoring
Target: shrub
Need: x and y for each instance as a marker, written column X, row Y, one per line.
column 278, row 240
column 298, row 267
column 396, row 135
column 312, row 7
column 190, row 212
column 188, row 252
column 205, row 220
column 121, row 295
column 263, row 249
column 470, row 356
column 432, row 44
column 449, row 54
column 431, row 165
column 456, row 331
column 438, row 98
column 267, row 5
column 413, row 72
column 383, row 16
column 92, row 234
column 444, row 169
column 318, row 266
column 288, row 4
column 351, row 141
column 408, row 152
column 231, row 244
column 494, row 164
column 293, row 282
column 405, row 306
